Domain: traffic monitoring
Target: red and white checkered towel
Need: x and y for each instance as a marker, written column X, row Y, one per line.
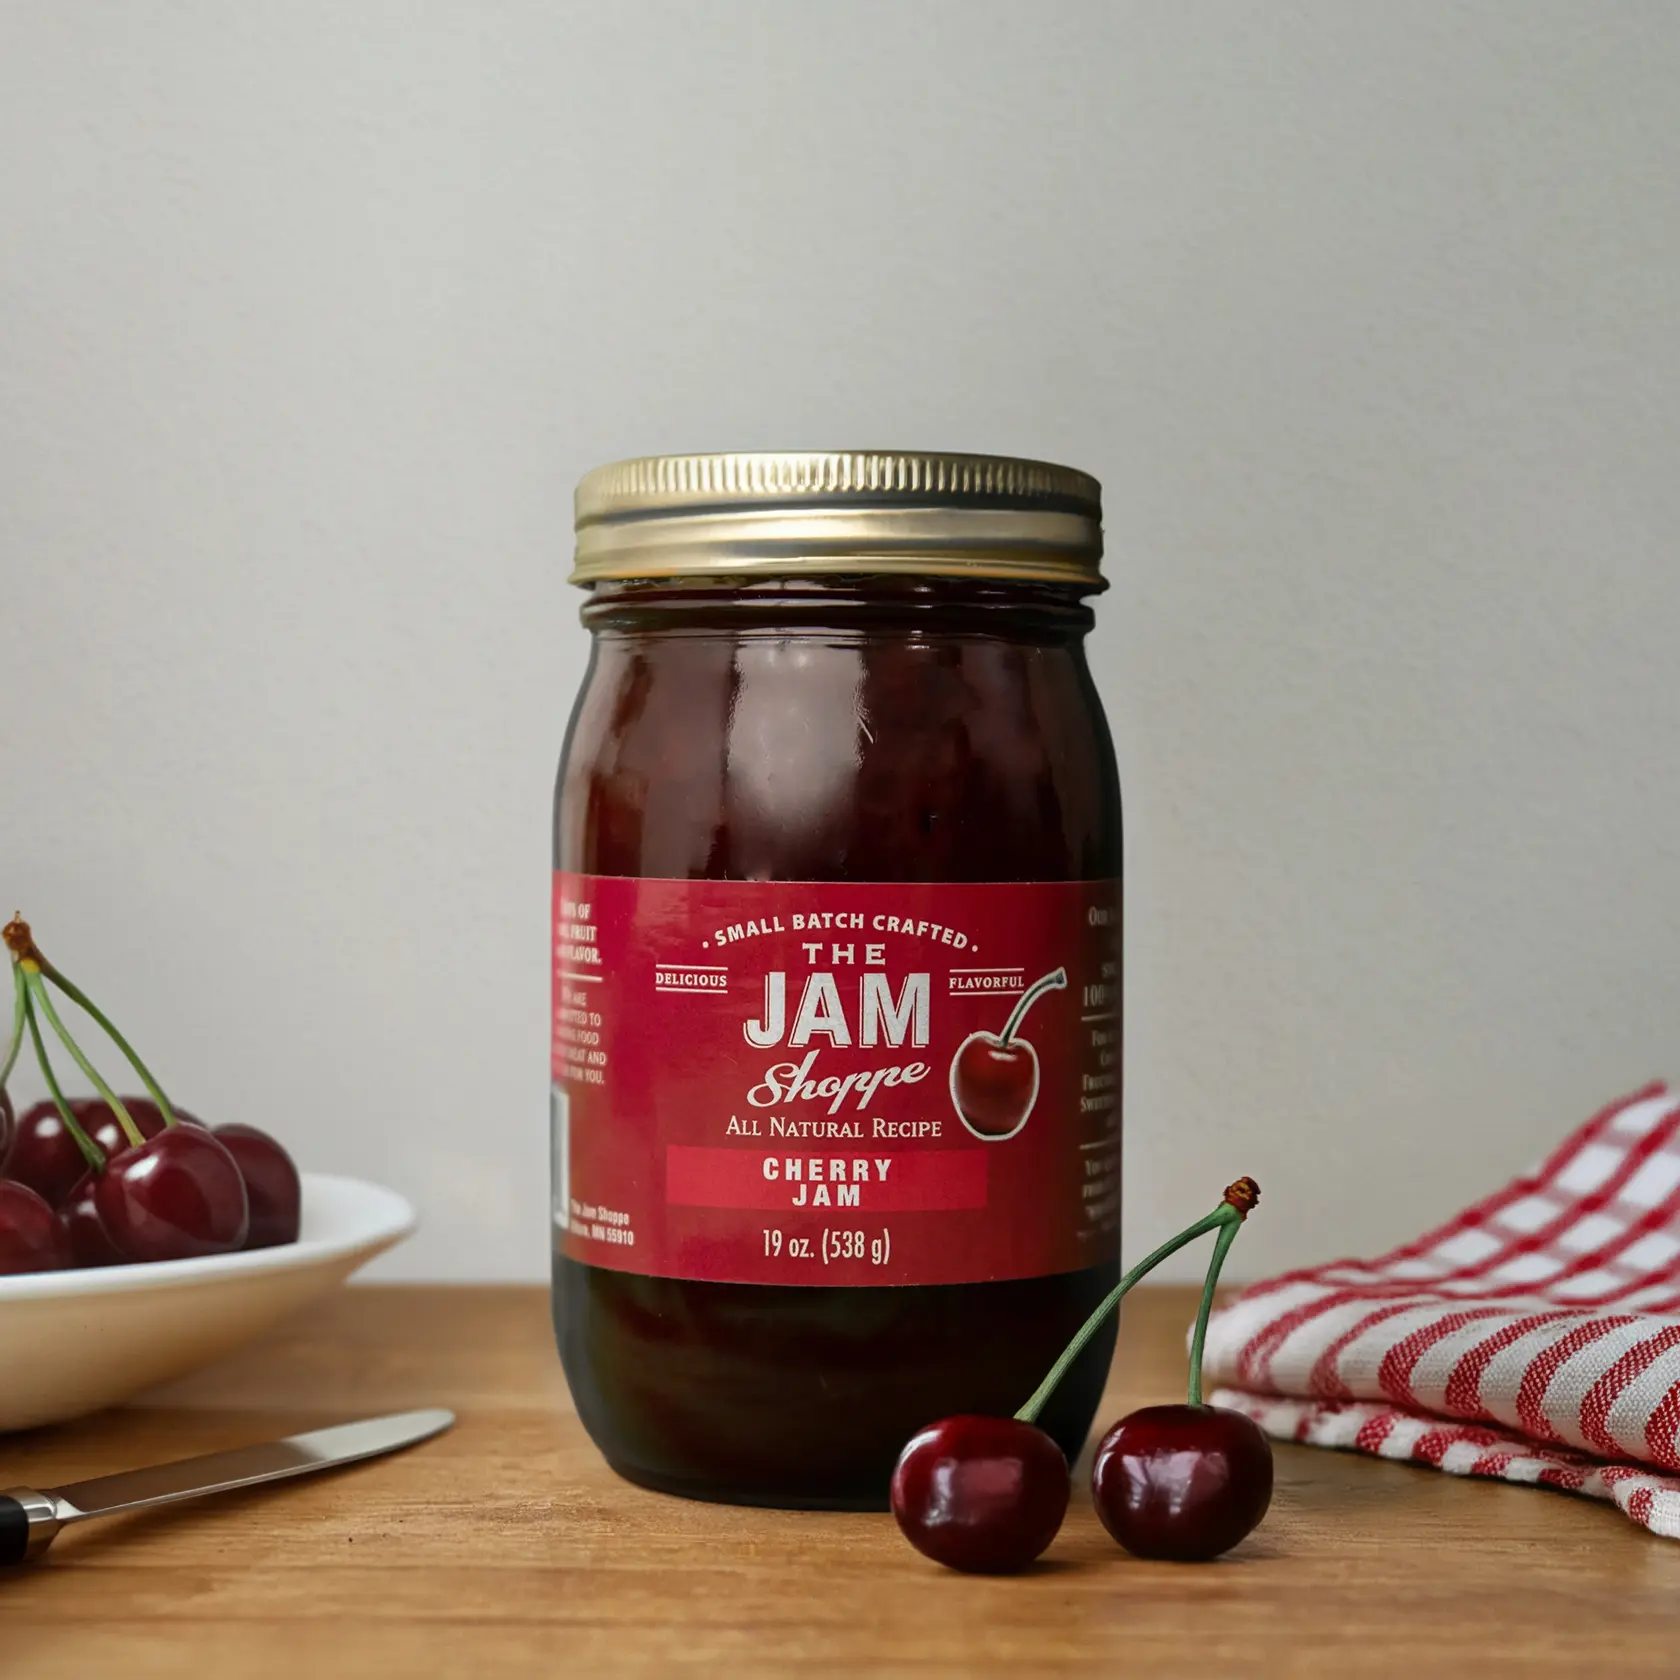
column 1545, row 1320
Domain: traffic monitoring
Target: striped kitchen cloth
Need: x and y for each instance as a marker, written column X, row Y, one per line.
column 1536, row 1337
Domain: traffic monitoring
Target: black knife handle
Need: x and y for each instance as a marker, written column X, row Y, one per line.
column 29, row 1521
column 14, row 1531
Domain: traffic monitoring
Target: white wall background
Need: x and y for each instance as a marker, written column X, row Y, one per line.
column 1366, row 315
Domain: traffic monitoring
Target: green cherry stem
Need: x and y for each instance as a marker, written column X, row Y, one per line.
column 1221, row 1247
column 41, row 999
column 91, row 1152
column 1221, row 1215
column 1050, row 983
column 1240, row 1197
column 82, row 1001
column 20, row 1010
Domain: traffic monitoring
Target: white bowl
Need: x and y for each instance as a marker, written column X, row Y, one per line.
column 71, row 1342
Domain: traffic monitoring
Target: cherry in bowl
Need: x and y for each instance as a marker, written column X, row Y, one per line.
column 98, row 1119
column 31, row 1238
column 179, row 1196
column 272, row 1184
column 44, row 1155
column 89, row 1242
column 128, row 1178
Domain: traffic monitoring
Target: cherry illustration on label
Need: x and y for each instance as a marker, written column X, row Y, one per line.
column 994, row 1076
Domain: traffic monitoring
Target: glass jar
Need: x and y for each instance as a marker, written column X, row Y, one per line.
column 836, row 1103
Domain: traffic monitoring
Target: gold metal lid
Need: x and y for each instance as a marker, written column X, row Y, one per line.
column 861, row 511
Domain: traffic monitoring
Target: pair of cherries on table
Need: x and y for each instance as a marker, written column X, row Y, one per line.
column 184, row 1192
column 115, row 1180
column 987, row 1495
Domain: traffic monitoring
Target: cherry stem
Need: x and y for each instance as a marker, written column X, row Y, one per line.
column 1221, row 1247
column 1224, row 1214
column 91, row 1152
column 82, row 1001
column 20, row 1009
column 1050, row 983
column 42, row 998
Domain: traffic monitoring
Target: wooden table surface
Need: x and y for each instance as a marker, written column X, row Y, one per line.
column 507, row 1548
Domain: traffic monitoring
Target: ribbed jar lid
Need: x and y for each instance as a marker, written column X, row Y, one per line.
column 764, row 514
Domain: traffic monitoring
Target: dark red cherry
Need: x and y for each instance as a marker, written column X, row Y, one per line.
column 99, row 1121
column 8, row 1125
column 89, row 1242
column 994, row 1076
column 1182, row 1482
column 44, row 1155
column 994, row 1084
column 96, row 1119
column 271, row 1183
column 982, row 1494
column 178, row 1196
column 31, row 1239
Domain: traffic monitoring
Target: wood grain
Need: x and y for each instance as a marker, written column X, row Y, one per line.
column 507, row 1548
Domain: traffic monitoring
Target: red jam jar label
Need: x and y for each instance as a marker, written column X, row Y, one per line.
column 836, row 1084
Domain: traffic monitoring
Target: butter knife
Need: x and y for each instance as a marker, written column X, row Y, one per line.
column 30, row 1518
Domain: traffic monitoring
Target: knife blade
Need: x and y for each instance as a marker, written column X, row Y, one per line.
column 31, row 1518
